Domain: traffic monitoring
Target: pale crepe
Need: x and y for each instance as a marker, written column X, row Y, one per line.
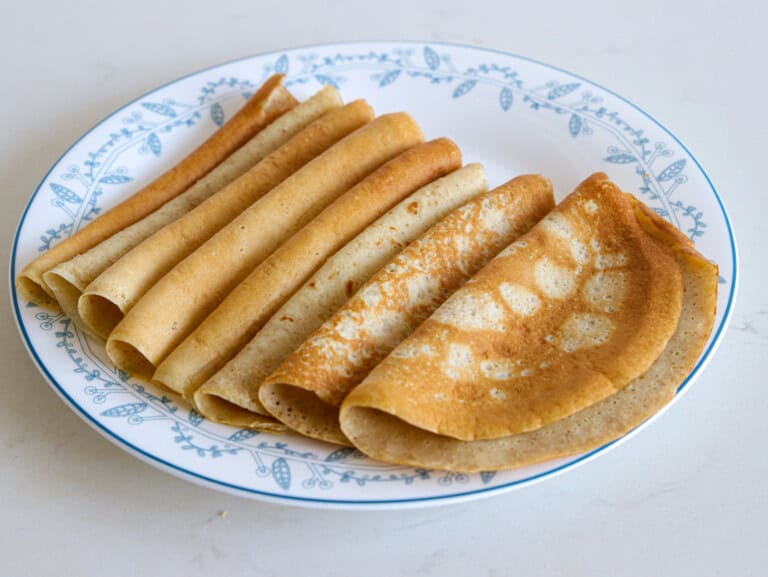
column 305, row 391
column 172, row 308
column 69, row 279
column 375, row 429
column 114, row 292
column 237, row 319
column 269, row 102
column 231, row 395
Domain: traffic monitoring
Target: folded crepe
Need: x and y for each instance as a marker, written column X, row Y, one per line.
column 572, row 336
column 174, row 306
column 114, row 292
column 231, row 395
column 69, row 279
column 245, row 310
column 306, row 390
column 268, row 103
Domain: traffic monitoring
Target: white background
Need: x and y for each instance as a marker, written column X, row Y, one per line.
column 688, row 496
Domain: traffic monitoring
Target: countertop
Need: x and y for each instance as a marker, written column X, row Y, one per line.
column 687, row 496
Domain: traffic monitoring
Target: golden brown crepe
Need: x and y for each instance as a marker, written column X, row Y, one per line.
column 107, row 299
column 305, row 391
column 268, row 103
column 174, row 306
column 237, row 319
column 69, row 279
column 573, row 335
column 231, row 395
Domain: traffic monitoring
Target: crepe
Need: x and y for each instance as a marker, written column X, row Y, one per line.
column 377, row 426
column 305, row 391
column 561, row 319
column 237, row 319
column 69, row 279
column 173, row 307
column 269, row 102
column 114, row 292
column 231, row 395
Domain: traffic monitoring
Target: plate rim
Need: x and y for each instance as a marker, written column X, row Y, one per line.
column 414, row 502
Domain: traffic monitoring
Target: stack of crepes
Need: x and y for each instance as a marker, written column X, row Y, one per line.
column 313, row 268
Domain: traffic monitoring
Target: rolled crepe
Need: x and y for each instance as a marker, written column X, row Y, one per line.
column 245, row 310
column 69, row 279
column 231, row 395
column 114, row 292
column 269, row 102
column 305, row 391
column 380, row 429
column 172, row 308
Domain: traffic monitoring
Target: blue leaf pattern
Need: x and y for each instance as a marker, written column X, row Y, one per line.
column 242, row 435
column 341, row 454
column 195, row 418
column 153, row 142
column 562, row 90
column 487, row 476
column 281, row 65
column 389, row 77
column 125, row 410
column 431, row 58
column 464, row 87
column 217, row 113
column 325, row 79
column 281, row 473
column 163, row 109
column 672, row 170
column 574, row 125
column 505, row 98
column 621, row 158
column 65, row 194
column 115, row 179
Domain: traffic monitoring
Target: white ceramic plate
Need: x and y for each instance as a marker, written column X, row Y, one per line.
column 512, row 114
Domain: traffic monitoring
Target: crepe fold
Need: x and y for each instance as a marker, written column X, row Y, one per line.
column 174, row 306
column 231, row 395
column 69, row 279
column 113, row 293
column 518, row 368
column 237, row 319
column 306, row 390
column 268, row 103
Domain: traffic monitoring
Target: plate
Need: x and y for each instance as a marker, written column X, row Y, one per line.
column 513, row 114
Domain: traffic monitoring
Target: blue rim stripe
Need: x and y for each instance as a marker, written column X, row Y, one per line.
column 208, row 481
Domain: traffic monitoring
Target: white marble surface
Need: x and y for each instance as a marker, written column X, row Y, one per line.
column 688, row 496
